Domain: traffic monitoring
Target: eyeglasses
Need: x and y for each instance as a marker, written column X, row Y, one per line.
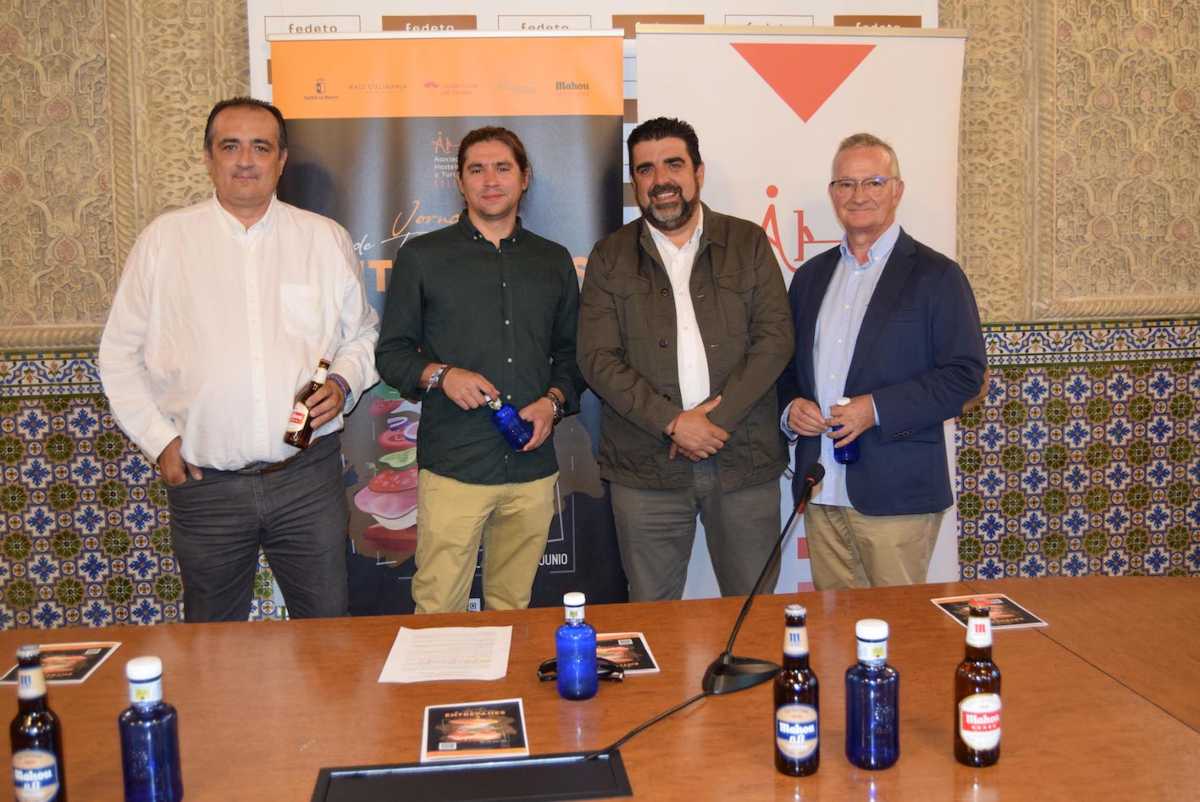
column 605, row 669
column 872, row 187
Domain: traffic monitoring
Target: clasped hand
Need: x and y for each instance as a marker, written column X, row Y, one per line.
column 693, row 435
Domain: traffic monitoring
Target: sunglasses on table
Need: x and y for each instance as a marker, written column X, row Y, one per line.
column 605, row 669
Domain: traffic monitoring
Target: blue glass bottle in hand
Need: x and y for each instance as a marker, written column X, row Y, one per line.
column 575, row 652
column 847, row 454
column 149, row 737
column 872, row 700
column 517, row 432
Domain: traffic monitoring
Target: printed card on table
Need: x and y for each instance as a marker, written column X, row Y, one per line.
column 629, row 650
column 474, row 730
column 68, row 663
column 1006, row 613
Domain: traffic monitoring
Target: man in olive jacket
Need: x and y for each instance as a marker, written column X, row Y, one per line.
column 684, row 327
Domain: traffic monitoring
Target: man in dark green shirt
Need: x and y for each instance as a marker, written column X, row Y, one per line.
column 481, row 310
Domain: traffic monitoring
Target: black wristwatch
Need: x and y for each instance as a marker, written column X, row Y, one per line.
column 435, row 379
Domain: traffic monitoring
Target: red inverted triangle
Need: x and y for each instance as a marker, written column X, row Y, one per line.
column 805, row 76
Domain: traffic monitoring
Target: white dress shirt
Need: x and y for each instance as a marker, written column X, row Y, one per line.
column 215, row 327
column 694, row 384
column 838, row 323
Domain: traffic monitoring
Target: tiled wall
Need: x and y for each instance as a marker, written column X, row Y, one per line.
column 84, row 526
column 1083, row 459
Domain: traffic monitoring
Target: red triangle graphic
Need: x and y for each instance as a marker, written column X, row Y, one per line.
column 805, row 76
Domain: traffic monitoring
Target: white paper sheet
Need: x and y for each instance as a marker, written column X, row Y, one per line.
column 446, row 653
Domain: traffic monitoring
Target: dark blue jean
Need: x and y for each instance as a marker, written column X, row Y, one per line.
column 297, row 515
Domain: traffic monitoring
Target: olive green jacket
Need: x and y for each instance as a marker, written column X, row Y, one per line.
column 626, row 351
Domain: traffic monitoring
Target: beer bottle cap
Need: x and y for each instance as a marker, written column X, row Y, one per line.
column 143, row 669
column 794, row 610
column 980, row 606
column 871, row 629
column 574, row 599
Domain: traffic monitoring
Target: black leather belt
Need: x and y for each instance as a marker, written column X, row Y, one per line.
column 259, row 468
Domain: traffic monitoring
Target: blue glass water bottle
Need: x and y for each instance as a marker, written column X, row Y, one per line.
column 872, row 700
column 517, row 432
column 575, row 650
column 149, row 737
column 847, row 454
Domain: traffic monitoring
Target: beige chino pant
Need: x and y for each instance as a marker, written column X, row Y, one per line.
column 453, row 517
column 847, row 549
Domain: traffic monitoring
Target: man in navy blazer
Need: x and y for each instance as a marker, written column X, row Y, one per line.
column 888, row 346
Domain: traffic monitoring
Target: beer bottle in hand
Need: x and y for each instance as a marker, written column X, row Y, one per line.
column 37, row 757
column 977, row 693
column 299, row 427
column 797, row 701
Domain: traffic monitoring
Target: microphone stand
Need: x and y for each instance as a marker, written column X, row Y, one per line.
column 728, row 673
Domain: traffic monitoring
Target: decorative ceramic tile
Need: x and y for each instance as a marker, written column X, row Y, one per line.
column 1085, row 456
column 1083, row 459
column 83, row 520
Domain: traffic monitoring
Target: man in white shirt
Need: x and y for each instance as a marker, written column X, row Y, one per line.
column 223, row 311
column 683, row 329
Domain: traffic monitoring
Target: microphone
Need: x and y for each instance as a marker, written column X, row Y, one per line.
column 729, row 674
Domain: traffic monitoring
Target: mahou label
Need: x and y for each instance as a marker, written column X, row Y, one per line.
column 796, row 730
column 979, row 721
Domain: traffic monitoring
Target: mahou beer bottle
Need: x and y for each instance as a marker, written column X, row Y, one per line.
column 977, row 693
column 36, row 735
column 797, row 701
column 299, row 427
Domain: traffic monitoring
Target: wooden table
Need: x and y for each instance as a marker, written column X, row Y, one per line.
column 1102, row 704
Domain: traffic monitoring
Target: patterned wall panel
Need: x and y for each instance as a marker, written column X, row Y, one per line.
column 996, row 224
column 103, row 114
column 84, row 537
column 1085, row 456
column 1118, row 149
column 1083, row 459
column 1080, row 135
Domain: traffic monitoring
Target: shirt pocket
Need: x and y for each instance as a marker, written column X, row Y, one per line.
column 735, row 294
column 300, row 309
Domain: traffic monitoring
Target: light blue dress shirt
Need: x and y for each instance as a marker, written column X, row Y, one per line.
column 838, row 323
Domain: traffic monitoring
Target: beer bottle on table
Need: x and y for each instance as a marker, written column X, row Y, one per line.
column 872, row 700
column 575, row 652
column 977, row 693
column 299, row 426
column 797, row 701
column 37, row 755
column 149, row 730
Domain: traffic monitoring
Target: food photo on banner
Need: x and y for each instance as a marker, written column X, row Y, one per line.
column 373, row 130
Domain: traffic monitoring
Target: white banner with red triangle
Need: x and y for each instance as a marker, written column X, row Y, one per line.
column 770, row 107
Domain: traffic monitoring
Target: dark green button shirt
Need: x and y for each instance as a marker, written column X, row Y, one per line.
column 508, row 313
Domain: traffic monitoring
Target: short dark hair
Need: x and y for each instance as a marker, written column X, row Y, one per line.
column 248, row 102
column 661, row 128
column 494, row 133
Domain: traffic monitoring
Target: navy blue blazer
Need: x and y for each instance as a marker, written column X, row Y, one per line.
column 919, row 353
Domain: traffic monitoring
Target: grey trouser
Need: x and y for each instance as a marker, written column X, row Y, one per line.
column 656, row 528
column 298, row 515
